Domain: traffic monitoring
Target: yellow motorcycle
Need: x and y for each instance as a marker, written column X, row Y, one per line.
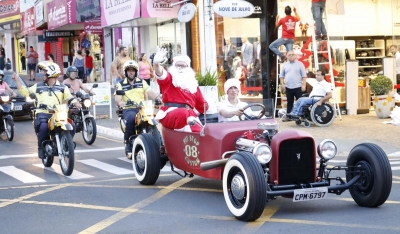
column 60, row 143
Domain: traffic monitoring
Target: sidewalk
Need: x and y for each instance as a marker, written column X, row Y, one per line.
column 348, row 132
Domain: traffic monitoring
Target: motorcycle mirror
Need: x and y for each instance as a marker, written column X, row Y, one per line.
column 68, row 85
column 32, row 95
column 95, row 85
column 79, row 94
column 120, row 92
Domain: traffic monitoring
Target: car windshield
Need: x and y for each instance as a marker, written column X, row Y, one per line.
column 11, row 82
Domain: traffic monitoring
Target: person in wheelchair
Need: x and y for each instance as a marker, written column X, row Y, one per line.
column 320, row 93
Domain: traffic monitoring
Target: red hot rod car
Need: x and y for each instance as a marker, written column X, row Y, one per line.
column 256, row 163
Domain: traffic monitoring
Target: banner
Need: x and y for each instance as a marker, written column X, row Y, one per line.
column 60, row 13
column 115, row 12
column 9, row 11
column 159, row 9
column 87, row 9
column 93, row 26
column 28, row 21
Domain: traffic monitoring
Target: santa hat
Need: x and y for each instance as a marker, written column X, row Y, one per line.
column 231, row 82
column 181, row 58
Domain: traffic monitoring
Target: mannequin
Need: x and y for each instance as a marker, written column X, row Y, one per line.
column 247, row 52
column 228, row 54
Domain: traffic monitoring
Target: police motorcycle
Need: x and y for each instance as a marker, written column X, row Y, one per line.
column 6, row 115
column 60, row 143
column 83, row 119
column 145, row 122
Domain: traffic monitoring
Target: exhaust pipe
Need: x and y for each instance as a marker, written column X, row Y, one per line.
column 213, row 164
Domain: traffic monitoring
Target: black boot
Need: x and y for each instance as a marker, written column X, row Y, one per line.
column 128, row 146
column 41, row 153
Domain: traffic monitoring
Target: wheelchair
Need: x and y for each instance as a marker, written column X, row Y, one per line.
column 322, row 116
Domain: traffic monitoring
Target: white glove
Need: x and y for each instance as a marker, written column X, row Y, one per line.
column 160, row 56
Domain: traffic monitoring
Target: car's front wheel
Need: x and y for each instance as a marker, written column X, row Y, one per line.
column 244, row 186
column 371, row 163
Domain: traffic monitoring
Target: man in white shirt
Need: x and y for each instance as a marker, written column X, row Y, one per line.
column 321, row 93
column 230, row 108
column 394, row 50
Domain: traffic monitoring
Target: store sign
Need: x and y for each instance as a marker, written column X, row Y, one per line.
column 186, row 12
column 9, row 10
column 25, row 5
column 233, row 8
column 93, row 26
column 39, row 13
column 28, row 21
column 159, row 8
column 60, row 13
column 57, row 34
column 16, row 25
column 87, row 9
column 118, row 11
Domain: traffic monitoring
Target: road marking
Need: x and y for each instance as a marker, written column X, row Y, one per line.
column 135, row 207
column 395, row 168
column 266, row 215
column 76, row 151
column 166, row 168
column 125, row 159
column 396, row 154
column 106, row 167
column 76, row 175
column 21, row 175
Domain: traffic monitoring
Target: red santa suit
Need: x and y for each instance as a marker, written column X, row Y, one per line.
column 178, row 105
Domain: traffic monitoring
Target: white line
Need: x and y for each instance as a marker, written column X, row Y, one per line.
column 391, row 163
column 76, row 151
column 106, row 167
column 125, row 159
column 76, row 175
column 21, row 175
column 395, row 168
column 396, row 154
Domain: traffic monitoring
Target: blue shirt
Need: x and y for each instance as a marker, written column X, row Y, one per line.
column 293, row 74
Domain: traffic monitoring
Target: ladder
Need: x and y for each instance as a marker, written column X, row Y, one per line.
column 316, row 45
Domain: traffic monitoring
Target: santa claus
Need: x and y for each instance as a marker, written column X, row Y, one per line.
column 181, row 93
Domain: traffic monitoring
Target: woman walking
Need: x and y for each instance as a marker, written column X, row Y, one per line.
column 79, row 63
column 88, row 66
column 145, row 69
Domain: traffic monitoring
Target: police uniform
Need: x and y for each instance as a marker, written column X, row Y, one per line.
column 134, row 92
column 55, row 95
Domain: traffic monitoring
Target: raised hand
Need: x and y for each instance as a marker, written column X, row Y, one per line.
column 160, row 56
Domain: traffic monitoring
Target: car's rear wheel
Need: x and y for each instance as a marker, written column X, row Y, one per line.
column 244, row 186
column 371, row 163
column 146, row 159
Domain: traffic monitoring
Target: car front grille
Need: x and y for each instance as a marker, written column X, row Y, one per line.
column 296, row 161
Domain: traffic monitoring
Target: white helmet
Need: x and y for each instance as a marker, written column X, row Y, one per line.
column 52, row 69
column 131, row 64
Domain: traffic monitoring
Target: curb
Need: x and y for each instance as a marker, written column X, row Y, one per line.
column 109, row 132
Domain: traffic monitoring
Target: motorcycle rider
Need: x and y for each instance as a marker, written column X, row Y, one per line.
column 136, row 90
column 50, row 92
column 76, row 84
column 4, row 86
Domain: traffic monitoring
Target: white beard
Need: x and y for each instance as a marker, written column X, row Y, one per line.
column 186, row 79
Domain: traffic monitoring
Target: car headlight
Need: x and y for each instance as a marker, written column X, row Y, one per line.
column 327, row 149
column 263, row 153
column 5, row 98
column 87, row 103
column 28, row 99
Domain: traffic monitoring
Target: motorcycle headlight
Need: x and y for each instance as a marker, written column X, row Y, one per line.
column 28, row 99
column 263, row 153
column 87, row 103
column 327, row 149
column 62, row 116
column 5, row 98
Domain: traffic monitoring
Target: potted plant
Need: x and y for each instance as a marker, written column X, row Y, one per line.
column 381, row 86
column 208, row 84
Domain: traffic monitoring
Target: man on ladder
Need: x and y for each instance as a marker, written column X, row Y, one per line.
column 317, row 9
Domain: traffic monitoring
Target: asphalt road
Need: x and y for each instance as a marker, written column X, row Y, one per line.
column 102, row 196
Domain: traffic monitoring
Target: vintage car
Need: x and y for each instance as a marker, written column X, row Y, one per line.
column 257, row 163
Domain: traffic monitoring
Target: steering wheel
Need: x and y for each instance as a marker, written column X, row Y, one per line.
column 259, row 116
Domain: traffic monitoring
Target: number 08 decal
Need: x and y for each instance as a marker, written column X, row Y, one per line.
column 191, row 151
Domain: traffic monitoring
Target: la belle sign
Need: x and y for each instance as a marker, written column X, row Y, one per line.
column 233, row 8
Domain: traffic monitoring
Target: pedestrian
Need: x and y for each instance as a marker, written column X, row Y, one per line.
column 118, row 64
column 32, row 56
column 23, row 57
column 293, row 79
column 146, row 71
column 71, row 56
column 8, row 64
column 88, row 65
column 79, row 63
column 318, row 8
column 228, row 53
column 395, row 52
column 288, row 32
column 2, row 57
column 181, row 93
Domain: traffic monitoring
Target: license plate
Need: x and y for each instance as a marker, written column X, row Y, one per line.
column 17, row 107
column 310, row 194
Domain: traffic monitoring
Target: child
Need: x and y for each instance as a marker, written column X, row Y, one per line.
column 8, row 64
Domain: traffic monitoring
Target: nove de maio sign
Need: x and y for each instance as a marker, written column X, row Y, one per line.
column 186, row 12
column 233, row 8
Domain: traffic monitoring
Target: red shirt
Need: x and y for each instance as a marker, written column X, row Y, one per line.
column 89, row 61
column 318, row 0
column 288, row 26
